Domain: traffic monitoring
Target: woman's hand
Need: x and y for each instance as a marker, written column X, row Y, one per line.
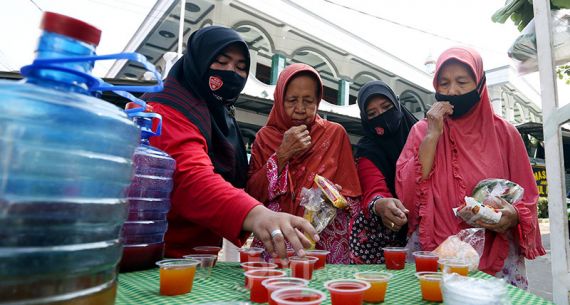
column 392, row 212
column 295, row 140
column 509, row 218
column 435, row 116
column 274, row 228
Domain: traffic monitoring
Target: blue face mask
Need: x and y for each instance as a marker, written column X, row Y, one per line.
column 462, row 104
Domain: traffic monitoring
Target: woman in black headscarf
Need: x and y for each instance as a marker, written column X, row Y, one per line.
column 386, row 125
column 202, row 135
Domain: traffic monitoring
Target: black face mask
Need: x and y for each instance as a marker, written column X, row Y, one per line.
column 387, row 123
column 462, row 104
column 225, row 85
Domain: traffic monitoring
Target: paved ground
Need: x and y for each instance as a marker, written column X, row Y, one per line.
column 539, row 271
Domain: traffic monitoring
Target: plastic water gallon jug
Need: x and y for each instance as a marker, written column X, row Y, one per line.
column 65, row 163
column 148, row 196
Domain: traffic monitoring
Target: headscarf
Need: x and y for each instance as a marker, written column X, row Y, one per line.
column 186, row 89
column 330, row 154
column 382, row 150
column 474, row 147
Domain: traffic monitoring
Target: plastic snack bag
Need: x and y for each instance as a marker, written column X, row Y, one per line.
column 317, row 211
column 505, row 189
column 331, row 192
column 472, row 211
column 466, row 245
column 484, row 202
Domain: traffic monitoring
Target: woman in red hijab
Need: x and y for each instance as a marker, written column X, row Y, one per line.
column 459, row 144
column 297, row 144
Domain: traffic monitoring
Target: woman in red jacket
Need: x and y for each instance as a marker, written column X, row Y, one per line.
column 386, row 124
column 201, row 134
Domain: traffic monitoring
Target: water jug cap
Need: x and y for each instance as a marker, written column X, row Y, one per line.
column 71, row 27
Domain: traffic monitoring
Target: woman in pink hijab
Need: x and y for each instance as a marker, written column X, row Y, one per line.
column 460, row 143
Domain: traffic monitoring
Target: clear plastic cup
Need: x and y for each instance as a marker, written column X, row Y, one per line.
column 430, row 285
column 250, row 254
column 177, row 275
column 257, row 265
column 321, row 255
column 213, row 250
column 426, row 261
column 458, row 266
column 280, row 283
column 347, row 291
column 302, row 267
column 257, row 292
column 298, row 296
column 378, row 285
column 204, row 268
column 395, row 257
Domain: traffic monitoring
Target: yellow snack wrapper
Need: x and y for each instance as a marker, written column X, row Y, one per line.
column 331, row 192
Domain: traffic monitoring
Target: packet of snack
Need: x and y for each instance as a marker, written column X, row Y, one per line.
column 317, row 211
column 472, row 211
column 330, row 191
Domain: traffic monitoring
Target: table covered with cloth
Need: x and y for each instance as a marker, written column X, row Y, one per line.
column 226, row 283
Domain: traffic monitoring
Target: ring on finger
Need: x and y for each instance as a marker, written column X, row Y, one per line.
column 276, row 232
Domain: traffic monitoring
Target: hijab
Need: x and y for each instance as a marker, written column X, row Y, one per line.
column 187, row 90
column 383, row 150
column 330, row 154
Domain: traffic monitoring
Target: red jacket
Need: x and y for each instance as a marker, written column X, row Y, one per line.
column 204, row 207
column 372, row 182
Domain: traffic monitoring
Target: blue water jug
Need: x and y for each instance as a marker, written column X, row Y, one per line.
column 148, row 195
column 65, row 163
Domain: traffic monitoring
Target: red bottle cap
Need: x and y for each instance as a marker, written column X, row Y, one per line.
column 71, row 27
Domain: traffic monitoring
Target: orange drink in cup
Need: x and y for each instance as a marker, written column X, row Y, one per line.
column 257, row 292
column 250, row 255
column 378, row 285
column 321, row 255
column 302, row 267
column 426, row 261
column 395, row 257
column 347, row 292
column 298, row 296
column 275, row 284
column 430, row 285
column 176, row 275
column 456, row 266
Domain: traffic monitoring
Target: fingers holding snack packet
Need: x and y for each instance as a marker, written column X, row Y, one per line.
column 509, row 218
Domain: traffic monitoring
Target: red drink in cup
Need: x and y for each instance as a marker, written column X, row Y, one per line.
column 395, row 257
column 426, row 261
column 250, row 255
column 302, row 267
column 257, row 292
column 347, row 292
column 321, row 255
column 256, row 265
column 275, row 284
column 298, row 296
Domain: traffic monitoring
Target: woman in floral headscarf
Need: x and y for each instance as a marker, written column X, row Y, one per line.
column 297, row 144
column 459, row 144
